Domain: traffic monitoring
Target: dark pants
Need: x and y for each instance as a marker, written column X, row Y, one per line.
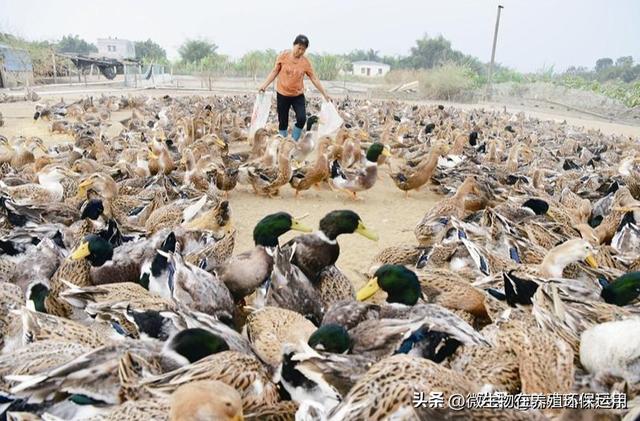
column 298, row 104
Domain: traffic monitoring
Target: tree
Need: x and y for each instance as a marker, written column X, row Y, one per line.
column 626, row 61
column 75, row 44
column 631, row 73
column 390, row 60
column 327, row 66
column 372, row 55
column 603, row 63
column 360, row 55
column 431, row 52
column 257, row 62
column 150, row 52
column 193, row 51
column 356, row 55
column 213, row 65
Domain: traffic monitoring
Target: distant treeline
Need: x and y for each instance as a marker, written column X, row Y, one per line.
column 619, row 78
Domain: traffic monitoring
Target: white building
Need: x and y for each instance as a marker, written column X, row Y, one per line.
column 116, row 48
column 370, row 68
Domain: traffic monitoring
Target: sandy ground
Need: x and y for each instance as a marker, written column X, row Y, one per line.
column 383, row 208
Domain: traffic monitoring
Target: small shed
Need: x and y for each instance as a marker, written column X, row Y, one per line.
column 16, row 68
column 370, row 68
column 118, row 49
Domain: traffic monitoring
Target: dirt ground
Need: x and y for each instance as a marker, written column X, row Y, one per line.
column 383, row 208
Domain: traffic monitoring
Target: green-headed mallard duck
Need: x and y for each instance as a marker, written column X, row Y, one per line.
column 316, row 251
column 404, row 313
column 438, row 287
column 304, row 277
column 623, row 290
column 243, row 273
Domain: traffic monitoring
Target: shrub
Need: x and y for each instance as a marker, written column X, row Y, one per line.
column 448, row 81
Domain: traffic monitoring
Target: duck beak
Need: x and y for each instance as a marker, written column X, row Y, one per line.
column 386, row 151
column 237, row 417
column 81, row 252
column 591, row 261
column 83, row 187
column 220, row 142
column 368, row 290
column 362, row 230
column 85, row 184
column 297, row 226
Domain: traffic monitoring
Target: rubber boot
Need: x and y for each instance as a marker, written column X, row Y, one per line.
column 283, row 133
column 297, row 131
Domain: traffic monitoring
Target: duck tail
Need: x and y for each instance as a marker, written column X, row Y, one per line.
column 129, row 373
column 336, row 171
column 517, row 290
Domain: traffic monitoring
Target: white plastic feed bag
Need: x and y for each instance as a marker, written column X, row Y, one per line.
column 260, row 114
column 329, row 121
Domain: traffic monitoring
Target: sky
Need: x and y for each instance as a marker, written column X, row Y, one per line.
column 533, row 34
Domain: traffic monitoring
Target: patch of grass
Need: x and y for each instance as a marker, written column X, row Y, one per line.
column 627, row 93
column 450, row 81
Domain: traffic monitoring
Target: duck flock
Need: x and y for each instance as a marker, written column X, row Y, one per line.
column 122, row 295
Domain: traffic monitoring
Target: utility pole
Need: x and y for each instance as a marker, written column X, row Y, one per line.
column 55, row 72
column 493, row 55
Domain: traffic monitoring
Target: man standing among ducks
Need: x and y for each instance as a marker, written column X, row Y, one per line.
column 291, row 66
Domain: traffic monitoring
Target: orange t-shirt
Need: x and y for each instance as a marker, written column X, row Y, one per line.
column 292, row 71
